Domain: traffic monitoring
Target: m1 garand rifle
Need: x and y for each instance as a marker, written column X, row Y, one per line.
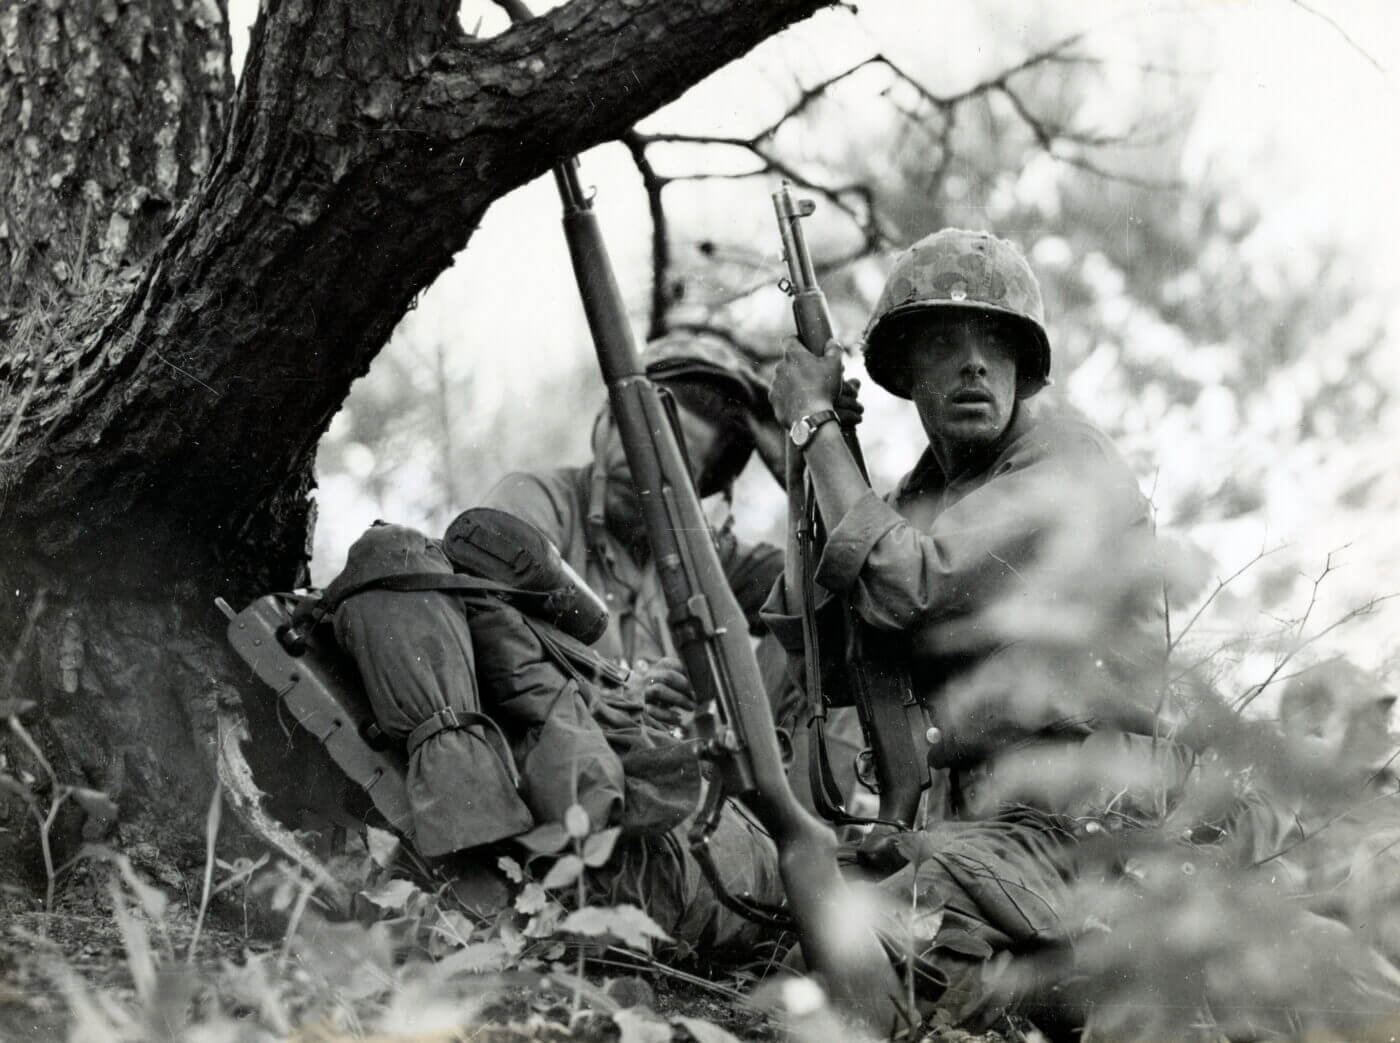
column 876, row 667
column 735, row 723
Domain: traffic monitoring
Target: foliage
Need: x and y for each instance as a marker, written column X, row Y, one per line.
column 1232, row 874
column 414, row 961
column 1243, row 372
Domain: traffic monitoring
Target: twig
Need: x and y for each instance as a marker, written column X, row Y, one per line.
column 667, row 971
column 1229, row 645
column 306, row 887
column 1366, row 608
column 211, row 835
column 653, row 184
column 1342, row 32
column 1219, row 586
column 1330, row 822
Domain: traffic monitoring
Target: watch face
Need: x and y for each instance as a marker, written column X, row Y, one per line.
column 800, row 432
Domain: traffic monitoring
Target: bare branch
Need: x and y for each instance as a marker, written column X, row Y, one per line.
column 1298, row 644
column 1048, row 135
column 1219, row 586
column 1386, row 795
column 935, row 115
column 652, row 184
column 1342, row 32
column 812, row 94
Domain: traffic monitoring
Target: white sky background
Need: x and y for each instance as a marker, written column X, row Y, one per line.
column 1289, row 103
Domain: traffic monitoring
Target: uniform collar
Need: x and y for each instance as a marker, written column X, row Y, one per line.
column 928, row 474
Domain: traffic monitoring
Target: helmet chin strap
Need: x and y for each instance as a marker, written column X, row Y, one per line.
column 598, row 488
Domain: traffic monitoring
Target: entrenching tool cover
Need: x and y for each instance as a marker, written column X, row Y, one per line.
column 323, row 692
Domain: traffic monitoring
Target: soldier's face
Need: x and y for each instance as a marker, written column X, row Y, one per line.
column 963, row 370
column 708, row 445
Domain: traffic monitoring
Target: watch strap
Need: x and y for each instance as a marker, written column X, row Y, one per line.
column 812, row 422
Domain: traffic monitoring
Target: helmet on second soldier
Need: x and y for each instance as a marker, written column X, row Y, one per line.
column 713, row 381
column 957, row 271
column 705, row 359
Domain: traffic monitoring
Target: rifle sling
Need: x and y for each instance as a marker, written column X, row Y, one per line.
column 881, row 692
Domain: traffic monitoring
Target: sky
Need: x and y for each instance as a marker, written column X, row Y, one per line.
column 1290, row 104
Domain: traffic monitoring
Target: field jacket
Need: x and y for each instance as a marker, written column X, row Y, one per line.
column 957, row 562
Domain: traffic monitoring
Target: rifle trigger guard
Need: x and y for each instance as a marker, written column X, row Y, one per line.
column 701, row 829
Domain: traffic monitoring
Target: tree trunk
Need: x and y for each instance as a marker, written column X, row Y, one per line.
column 162, row 432
column 110, row 111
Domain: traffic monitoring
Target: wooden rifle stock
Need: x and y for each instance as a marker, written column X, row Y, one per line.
column 712, row 636
column 876, row 664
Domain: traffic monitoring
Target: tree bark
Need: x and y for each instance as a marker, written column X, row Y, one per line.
column 160, row 449
column 110, row 111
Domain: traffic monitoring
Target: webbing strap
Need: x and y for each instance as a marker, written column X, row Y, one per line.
column 573, row 655
column 448, row 719
column 408, row 582
column 311, row 611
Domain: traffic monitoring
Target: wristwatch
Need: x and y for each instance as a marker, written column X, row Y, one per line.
column 804, row 429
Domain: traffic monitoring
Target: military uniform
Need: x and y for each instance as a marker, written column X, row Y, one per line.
column 654, row 868
column 947, row 559
column 938, row 551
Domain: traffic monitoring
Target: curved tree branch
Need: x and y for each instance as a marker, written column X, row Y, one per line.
column 366, row 142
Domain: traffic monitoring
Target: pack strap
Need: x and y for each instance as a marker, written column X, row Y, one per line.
column 312, row 611
column 574, row 656
column 448, row 719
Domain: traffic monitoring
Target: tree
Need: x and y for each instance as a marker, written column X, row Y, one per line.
column 194, row 275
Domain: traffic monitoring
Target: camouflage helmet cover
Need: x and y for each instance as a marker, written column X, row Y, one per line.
column 683, row 355
column 962, row 270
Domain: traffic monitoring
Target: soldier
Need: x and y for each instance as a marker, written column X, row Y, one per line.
column 592, row 515
column 1012, row 556
column 959, row 331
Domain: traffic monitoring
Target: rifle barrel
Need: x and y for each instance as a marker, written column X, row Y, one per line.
column 711, row 634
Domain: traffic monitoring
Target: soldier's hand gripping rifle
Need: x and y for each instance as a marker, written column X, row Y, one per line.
column 876, row 664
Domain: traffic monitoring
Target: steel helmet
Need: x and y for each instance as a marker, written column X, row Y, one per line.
column 967, row 271
column 707, row 359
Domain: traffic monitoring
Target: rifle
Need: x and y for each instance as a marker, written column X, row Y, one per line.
column 876, row 663
column 735, row 724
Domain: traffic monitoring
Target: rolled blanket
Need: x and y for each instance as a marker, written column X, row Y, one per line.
column 415, row 655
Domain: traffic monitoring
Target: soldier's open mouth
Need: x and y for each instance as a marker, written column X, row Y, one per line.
column 971, row 396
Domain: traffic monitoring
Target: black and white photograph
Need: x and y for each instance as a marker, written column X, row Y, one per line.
column 699, row 521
